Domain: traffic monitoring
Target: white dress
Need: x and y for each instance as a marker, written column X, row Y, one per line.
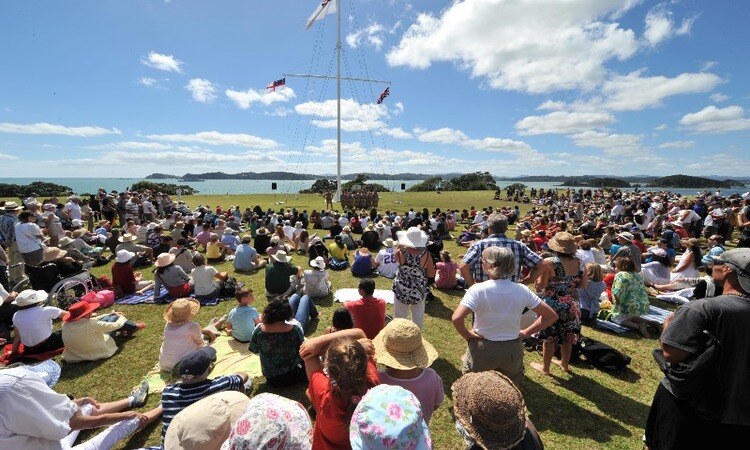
column 688, row 272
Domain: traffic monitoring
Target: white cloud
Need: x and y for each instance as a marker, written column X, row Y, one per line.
column 355, row 152
column 146, row 81
column 48, row 128
column 441, row 135
column 708, row 65
column 660, row 26
column 633, row 92
column 563, row 122
column 245, row 99
column 451, row 136
column 551, row 106
column 279, row 112
column 716, row 120
column 610, row 143
column 131, row 145
column 397, row 133
column 167, row 63
column 217, row 138
column 7, row 157
column 355, row 116
column 371, row 34
column 542, row 46
column 718, row 97
column 678, row 144
column 661, row 127
column 349, row 125
column 398, row 108
column 203, row 91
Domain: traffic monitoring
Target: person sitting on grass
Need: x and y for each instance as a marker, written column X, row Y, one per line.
column 341, row 320
column 363, row 264
column 207, row 281
column 193, row 370
column 368, row 312
column 183, row 256
column 215, row 251
column 243, row 318
column 246, row 258
column 446, row 273
column 33, row 324
column 278, row 273
column 339, row 254
column 88, row 338
column 36, row 417
column 630, row 298
column 407, row 356
column 181, row 334
column 204, row 236
column 385, row 261
column 277, row 342
column 171, row 277
column 124, row 280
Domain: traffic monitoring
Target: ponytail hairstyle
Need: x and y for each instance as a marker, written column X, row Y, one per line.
column 445, row 256
column 346, row 367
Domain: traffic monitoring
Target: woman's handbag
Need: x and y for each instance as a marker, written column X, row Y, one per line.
column 696, row 379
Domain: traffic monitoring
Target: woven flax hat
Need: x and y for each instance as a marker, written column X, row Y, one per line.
column 490, row 408
column 400, row 345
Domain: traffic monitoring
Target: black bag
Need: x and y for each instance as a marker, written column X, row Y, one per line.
column 229, row 287
column 696, row 379
column 600, row 355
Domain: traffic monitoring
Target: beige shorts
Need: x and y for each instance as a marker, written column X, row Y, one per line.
column 504, row 356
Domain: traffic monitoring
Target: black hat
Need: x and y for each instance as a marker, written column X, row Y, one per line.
column 197, row 362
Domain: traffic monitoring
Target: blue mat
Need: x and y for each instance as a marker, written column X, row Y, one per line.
column 655, row 314
column 163, row 298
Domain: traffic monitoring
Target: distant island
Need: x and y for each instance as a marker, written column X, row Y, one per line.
column 287, row 176
column 686, row 181
column 595, row 181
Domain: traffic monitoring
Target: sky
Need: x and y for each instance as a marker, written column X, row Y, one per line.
column 515, row 87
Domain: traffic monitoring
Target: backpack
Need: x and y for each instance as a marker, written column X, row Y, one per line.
column 600, row 355
column 229, row 287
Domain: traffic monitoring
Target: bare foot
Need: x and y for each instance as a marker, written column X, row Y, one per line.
column 540, row 368
column 564, row 367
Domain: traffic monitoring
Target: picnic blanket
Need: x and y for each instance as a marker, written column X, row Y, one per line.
column 5, row 358
column 351, row 294
column 164, row 297
column 678, row 297
column 231, row 356
column 655, row 314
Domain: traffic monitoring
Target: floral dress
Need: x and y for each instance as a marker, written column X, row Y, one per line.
column 410, row 284
column 629, row 296
column 561, row 294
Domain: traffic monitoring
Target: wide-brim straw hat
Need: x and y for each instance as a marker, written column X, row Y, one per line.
column 563, row 242
column 281, row 257
column 78, row 233
column 388, row 242
column 64, row 241
column 30, row 297
column 164, row 259
column 207, row 423
column 627, row 236
column 127, row 237
column 400, row 345
column 11, row 206
column 182, row 310
column 490, row 408
column 413, row 237
column 53, row 253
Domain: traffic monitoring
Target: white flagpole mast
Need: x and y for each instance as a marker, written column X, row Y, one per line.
column 338, row 103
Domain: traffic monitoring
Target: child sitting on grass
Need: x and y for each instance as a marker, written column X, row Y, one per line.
column 446, row 278
column 243, row 318
column 277, row 343
column 407, row 356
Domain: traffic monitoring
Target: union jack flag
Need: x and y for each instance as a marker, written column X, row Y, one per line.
column 277, row 83
column 384, row 94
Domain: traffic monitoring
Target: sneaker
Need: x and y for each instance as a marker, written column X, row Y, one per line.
column 138, row 394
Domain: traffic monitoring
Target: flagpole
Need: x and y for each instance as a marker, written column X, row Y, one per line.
column 338, row 103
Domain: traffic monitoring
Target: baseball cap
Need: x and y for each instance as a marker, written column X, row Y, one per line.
column 197, row 362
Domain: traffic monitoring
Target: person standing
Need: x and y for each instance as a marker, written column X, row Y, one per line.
column 8, row 220
column 674, row 421
column 497, row 224
column 415, row 267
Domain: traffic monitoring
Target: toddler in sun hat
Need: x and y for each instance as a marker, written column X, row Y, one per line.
column 389, row 417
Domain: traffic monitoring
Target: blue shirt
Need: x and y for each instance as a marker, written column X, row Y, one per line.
column 525, row 257
column 242, row 319
column 243, row 257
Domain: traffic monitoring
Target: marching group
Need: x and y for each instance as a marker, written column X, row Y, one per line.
column 582, row 252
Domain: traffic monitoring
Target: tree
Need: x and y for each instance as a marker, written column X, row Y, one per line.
column 320, row 186
column 477, row 181
column 428, row 185
column 39, row 187
column 164, row 188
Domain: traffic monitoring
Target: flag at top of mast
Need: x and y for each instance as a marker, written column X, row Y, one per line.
column 326, row 7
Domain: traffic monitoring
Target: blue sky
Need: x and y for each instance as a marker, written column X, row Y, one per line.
column 620, row 87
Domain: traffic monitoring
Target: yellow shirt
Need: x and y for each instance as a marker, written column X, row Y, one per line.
column 337, row 252
column 213, row 250
column 87, row 339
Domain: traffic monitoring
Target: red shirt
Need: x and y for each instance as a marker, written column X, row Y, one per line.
column 368, row 314
column 332, row 425
column 122, row 275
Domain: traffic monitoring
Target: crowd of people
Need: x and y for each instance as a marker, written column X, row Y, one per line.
column 575, row 256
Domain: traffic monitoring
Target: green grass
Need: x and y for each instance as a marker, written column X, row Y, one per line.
column 586, row 409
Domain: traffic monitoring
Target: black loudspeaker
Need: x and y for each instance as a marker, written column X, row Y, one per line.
column 273, row 186
column 403, row 186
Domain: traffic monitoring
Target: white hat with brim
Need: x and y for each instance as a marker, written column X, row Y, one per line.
column 627, row 236
column 388, row 242
column 127, row 237
column 64, row 241
column 30, row 297
column 76, row 222
column 124, row 256
column 318, row 262
column 11, row 206
column 281, row 257
column 164, row 260
column 413, row 237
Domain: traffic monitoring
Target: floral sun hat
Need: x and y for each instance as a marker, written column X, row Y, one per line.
column 389, row 417
column 271, row 422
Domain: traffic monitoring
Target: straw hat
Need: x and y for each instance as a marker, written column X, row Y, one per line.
column 181, row 310
column 413, row 237
column 53, row 253
column 318, row 262
column 78, row 310
column 164, row 259
column 281, row 257
column 124, row 256
column 30, row 297
column 261, row 231
column 627, row 236
column 206, row 424
column 127, row 237
column 563, row 242
column 526, row 233
column 490, row 408
column 64, row 241
column 11, row 206
column 400, row 345
column 388, row 242
column 78, row 233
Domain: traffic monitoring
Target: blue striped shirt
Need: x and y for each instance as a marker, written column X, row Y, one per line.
column 525, row 257
column 178, row 396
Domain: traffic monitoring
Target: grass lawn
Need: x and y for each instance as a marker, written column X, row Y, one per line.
column 585, row 409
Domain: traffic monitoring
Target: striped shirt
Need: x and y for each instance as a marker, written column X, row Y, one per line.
column 525, row 257
column 178, row 396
